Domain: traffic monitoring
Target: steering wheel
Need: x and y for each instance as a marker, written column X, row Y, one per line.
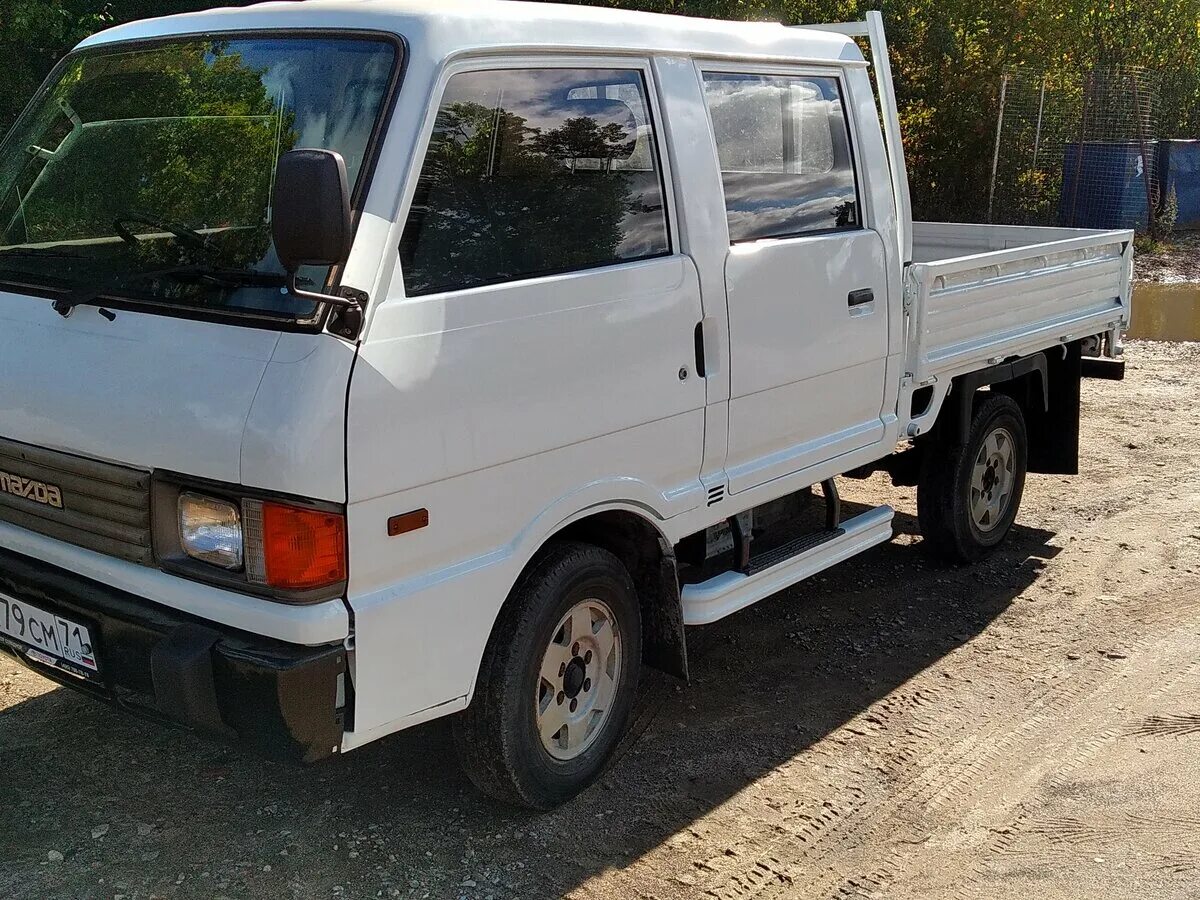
column 183, row 234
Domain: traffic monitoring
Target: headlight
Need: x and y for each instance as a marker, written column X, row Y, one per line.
column 210, row 530
column 287, row 549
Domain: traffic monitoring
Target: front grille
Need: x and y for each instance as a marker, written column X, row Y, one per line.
column 82, row 501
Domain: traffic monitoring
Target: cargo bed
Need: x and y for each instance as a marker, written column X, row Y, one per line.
column 977, row 294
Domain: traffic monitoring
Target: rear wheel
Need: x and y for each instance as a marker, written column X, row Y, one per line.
column 969, row 493
column 557, row 681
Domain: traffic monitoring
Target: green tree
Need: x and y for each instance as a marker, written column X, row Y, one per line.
column 35, row 34
column 949, row 56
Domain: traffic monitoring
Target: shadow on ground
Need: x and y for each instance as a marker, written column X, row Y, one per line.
column 187, row 818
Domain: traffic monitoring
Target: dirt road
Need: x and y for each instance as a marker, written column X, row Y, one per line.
column 1026, row 728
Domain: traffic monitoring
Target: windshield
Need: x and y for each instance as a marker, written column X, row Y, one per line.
column 146, row 173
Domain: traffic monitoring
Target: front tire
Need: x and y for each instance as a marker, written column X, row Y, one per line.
column 969, row 494
column 557, row 681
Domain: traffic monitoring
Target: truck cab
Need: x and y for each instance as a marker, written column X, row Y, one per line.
column 367, row 363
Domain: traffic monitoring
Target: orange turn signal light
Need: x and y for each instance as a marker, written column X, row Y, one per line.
column 302, row 548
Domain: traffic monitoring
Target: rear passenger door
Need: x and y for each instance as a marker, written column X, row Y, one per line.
column 806, row 280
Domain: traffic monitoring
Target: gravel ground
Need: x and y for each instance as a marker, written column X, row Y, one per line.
column 1026, row 727
column 1176, row 261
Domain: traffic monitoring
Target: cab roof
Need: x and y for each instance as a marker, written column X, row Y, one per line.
column 437, row 29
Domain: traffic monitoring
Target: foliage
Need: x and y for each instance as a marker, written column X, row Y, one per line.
column 949, row 56
column 1144, row 244
column 35, row 34
column 1163, row 226
column 135, row 165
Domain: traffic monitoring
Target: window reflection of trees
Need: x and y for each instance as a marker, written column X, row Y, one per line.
column 188, row 134
column 502, row 198
column 133, row 148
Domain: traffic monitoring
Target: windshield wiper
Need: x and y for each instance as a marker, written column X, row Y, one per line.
column 64, row 306
column 224, row 278
column 227, row 278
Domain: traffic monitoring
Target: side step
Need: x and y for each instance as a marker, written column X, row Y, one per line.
column 728, row 592
column 784, row 552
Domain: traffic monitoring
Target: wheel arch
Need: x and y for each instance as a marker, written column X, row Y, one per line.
column 649, row 557
column 1025, row 379
column 1046, row 385
column 631, row 530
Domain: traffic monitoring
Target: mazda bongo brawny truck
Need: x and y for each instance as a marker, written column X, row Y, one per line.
column 369, row 362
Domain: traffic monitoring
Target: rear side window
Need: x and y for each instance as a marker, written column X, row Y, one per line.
column 535, row 172
column 784, row 149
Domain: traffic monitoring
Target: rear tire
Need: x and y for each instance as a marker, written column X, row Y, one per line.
column 969, row 494
column 557, row 681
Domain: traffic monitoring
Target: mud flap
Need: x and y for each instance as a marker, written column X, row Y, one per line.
column 664, row 643
column 1054, row 434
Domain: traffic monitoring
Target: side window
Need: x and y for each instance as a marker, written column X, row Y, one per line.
column 784, row 149
column 534, row 172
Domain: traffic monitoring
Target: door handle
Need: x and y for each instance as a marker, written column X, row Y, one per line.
column 861, row 297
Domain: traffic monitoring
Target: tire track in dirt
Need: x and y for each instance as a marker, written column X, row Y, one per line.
column 957, row 782
column 925, row 758
column 768, row 840
column 1057, row 834
column 1069, row 836
column 793, row 847
column 939, row 760
column 1010, row 762
column 1007, row 759
column 1174, row 725
column 928, row 774
column 915, row 769
column 1172, row 653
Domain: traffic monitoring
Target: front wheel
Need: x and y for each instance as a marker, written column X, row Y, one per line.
column 557, row 681
column 969, row 493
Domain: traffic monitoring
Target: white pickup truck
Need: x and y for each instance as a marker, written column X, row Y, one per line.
column 369, row 362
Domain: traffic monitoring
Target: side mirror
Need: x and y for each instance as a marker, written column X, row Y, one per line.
column 310, row 213
column 310, row 223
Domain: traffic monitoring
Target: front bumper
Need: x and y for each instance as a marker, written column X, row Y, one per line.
column 282, row 700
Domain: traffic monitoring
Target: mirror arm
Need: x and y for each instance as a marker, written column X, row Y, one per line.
column 332, row 299
column 348, row 315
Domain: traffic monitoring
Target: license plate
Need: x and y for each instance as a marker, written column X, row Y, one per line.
column 47, row 638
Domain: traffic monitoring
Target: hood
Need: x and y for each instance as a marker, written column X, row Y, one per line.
column 226, row 402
